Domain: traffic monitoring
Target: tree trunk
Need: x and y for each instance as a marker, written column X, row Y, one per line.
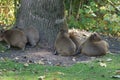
column 46, row 15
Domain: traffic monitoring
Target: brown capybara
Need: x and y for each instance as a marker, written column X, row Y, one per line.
column 32, row 35
column 94, row 46
column 76, row 39
column 14, row 38
column 64, row 45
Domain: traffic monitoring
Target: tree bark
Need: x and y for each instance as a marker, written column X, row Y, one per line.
column 46, row 15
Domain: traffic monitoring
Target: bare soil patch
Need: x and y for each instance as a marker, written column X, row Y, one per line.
column 45, row 56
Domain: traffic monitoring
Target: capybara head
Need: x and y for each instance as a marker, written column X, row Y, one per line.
column 95, row 37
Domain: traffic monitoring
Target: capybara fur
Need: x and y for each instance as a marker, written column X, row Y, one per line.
column 14, row 38
column 76, row 39
column 94, row 46
column 32, row 35
column 64, row 45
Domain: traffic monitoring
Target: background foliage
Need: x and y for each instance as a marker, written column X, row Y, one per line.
column 93, row 15
column 8, row 10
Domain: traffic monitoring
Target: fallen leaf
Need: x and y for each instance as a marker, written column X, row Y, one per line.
column 58, row 64
column 14, row 69
column 73, row 59
column 109, row 59
column 16, row 58
column 41, row 62
column 41, row 77
column 103, row 64
column 4, row 70
column 116, row 76
column 61, row 73
column 1, row 58
column 49, row 62
column 26, row 65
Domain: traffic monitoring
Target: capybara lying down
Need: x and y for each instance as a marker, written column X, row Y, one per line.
column 14, row 37
column 64, row 45
column 32, row 35
column 94, row 46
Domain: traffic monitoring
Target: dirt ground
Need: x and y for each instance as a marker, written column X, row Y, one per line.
column 43, row 56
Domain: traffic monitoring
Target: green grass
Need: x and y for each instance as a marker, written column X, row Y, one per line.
column 10, row 70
